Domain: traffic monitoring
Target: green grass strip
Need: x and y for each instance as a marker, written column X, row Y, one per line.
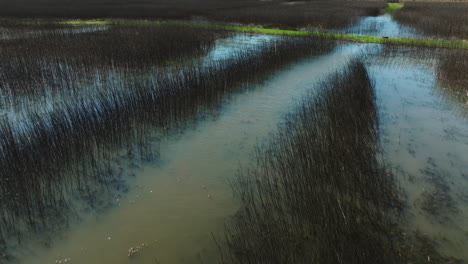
column 393, row 6
column 428, row 43
column 86, row 22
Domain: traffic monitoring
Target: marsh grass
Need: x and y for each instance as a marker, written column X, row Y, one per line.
column 292, row 15
column 319, row 192
column 325, row 14
column 439, row 19
column 52, row 58
column 179, row 9
column 452, row 70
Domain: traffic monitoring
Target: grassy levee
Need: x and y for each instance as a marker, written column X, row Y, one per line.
column 428, row 43
column 350, row 38
column 393, row 7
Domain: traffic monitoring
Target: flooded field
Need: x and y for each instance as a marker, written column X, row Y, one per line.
column 173, row 207
column 425, row 140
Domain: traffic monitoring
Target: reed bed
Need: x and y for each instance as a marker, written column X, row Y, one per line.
column 319, row 192
column 441, row 20
column 317, row 14
column 48, row 152
column 321, row 14
column 178, row 9
column 58, row 58
column 452, row 71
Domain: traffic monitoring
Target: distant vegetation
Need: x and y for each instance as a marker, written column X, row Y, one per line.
column 117, row 8
column 320, row 14
column 453, row 74
column 56, row 57
column 324, row 14
column 444, row 19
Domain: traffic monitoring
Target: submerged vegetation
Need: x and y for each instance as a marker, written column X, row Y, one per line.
column 319, row 192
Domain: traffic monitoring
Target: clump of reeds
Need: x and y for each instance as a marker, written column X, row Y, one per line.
column 439, row 19
column 319, row 192
column 51, row 57
column 451, row 72
column 49, row 150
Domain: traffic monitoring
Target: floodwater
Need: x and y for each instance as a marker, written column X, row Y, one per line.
column 425, row 140
column 175, row 204
column 380, row 26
